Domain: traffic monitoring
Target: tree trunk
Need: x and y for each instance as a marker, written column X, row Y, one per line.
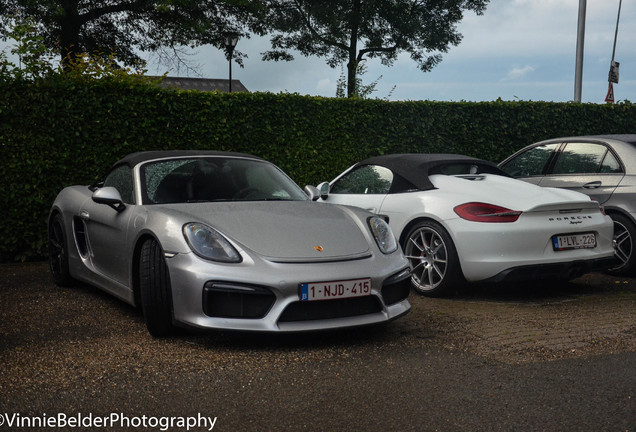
column 70, row 24
column 351, row 74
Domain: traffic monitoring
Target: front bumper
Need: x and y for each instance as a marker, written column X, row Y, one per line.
column 261, row 295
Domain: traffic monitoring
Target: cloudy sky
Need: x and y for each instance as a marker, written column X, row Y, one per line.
column 517, row 50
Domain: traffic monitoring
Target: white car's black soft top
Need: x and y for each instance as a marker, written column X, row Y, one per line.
column 416, row 167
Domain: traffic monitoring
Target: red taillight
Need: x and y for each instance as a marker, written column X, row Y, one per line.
column 482, row 212
column 600, row 206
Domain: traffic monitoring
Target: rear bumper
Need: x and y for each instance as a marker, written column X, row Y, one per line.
column 487, row 251
column 558, row 271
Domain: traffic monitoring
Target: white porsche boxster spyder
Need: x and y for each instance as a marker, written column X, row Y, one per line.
column 462, row 219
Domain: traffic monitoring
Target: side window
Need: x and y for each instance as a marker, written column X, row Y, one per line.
column 367, row 179
column 121, row 179
column 583, row 158
column 531, row 162
column 610, row 164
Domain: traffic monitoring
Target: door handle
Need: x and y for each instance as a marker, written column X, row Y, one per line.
column 372, row 210
column 592, row 185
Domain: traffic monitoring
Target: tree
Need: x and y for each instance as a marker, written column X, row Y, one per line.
column 35, row 60
column 361, row 90
column 120, row 28
column 36, row 63
column 348, row 30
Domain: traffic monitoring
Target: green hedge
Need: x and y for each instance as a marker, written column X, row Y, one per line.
column 62, row 132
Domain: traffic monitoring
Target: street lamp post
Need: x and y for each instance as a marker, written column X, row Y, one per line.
column 580, row 41
column 231, row 39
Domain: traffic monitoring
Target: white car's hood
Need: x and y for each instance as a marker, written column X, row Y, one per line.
column 511, row 193
column 285, row 231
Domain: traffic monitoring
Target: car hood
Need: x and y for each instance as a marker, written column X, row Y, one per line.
column 285, row 231
column 511, row 193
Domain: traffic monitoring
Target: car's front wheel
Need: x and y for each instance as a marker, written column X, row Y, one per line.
column 435, row 268
column 58, row 252
column 155, row 290
column 624, row 234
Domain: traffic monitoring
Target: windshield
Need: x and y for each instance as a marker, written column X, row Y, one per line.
column 206, row 179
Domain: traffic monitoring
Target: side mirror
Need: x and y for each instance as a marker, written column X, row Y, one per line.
column 110, row 196
column 312, row 192
column 324, row 190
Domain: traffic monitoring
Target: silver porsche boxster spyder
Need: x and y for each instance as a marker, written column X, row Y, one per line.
column 215, row 240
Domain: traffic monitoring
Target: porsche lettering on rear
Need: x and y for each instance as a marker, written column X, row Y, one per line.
column 569, row 218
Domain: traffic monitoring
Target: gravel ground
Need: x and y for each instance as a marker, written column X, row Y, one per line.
column 78, row 349
column 595, row 314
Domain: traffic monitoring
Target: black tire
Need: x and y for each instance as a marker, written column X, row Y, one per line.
column 155, row 290
column 435, row 268
column 624, row 235
column 58, row 252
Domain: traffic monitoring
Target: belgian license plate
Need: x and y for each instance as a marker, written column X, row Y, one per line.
column 335, row 289
column 574, row 241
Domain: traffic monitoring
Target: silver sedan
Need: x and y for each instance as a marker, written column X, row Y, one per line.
column 601, row 166
column 225, row 241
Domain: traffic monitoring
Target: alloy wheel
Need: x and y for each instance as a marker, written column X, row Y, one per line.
column 624, row 244
column 428, row 256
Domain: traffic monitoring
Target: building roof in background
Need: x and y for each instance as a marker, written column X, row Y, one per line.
column 202, row 84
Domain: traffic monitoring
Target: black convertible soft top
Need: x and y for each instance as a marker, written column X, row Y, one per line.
column 416, row 167
column 135, row 158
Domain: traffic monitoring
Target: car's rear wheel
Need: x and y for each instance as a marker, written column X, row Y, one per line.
column 58, row 252
column 155, row 290
column 435, row 268
column 624, row 234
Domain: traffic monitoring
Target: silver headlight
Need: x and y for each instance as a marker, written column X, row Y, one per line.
column 208, row 243
column 383, row 235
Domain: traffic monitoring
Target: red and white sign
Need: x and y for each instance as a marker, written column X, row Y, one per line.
column 610, row 94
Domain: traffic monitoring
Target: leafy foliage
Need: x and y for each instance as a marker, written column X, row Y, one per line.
column 103, row 27
column 36, row 61
column 35, row 58
column 362, row 90
column 349, row 31
column 69, row 130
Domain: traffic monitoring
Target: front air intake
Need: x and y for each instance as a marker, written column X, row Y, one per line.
column 226, row 300
column 331, row 309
